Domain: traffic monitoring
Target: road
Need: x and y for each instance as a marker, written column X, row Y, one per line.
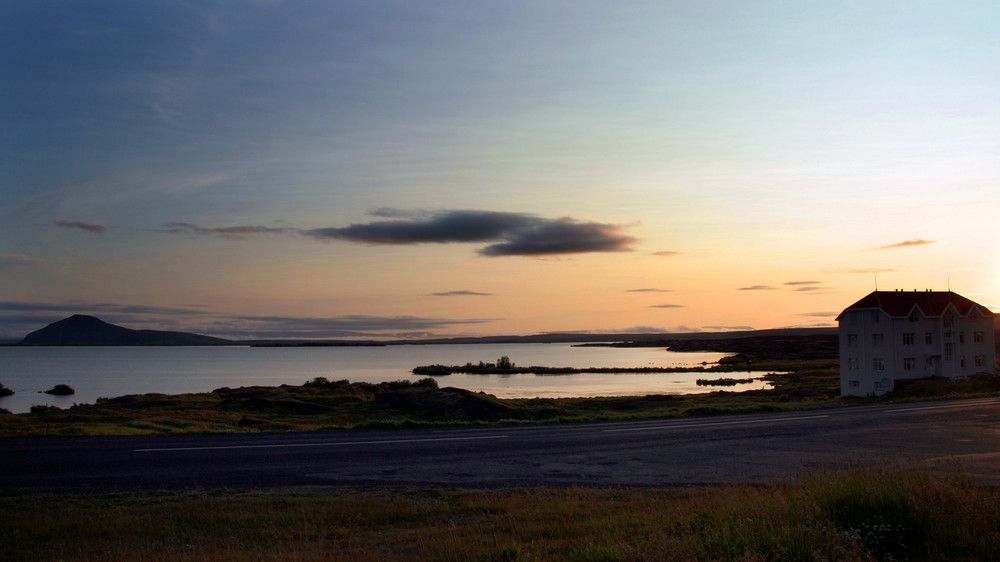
column 704, row 450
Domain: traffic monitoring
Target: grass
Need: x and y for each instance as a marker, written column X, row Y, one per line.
column 857, row 514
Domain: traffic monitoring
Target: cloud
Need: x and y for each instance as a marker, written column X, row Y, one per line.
column 515, row 234
column 728, row 328
column 649, row 291
column 803, row 283
column 14, row 261
column 666, row 253
column 815, row 290
column 906, row 244
column 94, row 228
column 232, row 232
column 819, row 314
column 632, row 330
column 872, row 270
column 667, row 306
column 461, row 294
column 76, row 307
column 757, row 288
column 355, row 325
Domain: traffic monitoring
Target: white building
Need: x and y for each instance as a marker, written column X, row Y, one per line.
column 897, row 335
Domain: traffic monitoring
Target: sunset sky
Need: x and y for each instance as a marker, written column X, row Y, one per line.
column 334, row 169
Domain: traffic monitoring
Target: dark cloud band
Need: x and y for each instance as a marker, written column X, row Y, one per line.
column 515, row 234
column 86, row 226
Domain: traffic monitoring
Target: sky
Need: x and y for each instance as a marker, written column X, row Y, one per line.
column 398, row 169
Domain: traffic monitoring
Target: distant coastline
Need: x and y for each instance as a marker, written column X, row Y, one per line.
column 84, row 330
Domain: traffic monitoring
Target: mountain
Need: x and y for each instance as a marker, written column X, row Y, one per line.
column 80, row 329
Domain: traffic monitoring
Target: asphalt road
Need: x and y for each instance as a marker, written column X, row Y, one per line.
column 706, row 450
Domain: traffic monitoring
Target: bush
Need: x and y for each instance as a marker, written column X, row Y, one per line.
column 60, row 390
column 4, row 391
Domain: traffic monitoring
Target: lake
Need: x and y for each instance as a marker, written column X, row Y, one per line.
column 96, row 372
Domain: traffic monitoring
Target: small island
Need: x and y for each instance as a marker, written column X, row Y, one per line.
column 61, row 390
column 504, row 366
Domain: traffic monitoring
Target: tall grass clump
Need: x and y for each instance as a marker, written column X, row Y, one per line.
column 772, row 523
column 911, row 515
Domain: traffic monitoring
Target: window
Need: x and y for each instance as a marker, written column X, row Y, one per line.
column 852, row 340
column 980, row 361
column 908, row 338
column 929, row 338
column 878, row 363
column 949, row 320
column 878, row 340
column 949, row 351
column 977, row 337
column 852, row 364
column 961, row 362
column 908, row 363
column 914, row 317
column 854, row 384
column 961, row 337
column 875, row 316
column 947, row 334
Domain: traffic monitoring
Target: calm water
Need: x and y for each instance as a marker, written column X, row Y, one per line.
column 96, row 372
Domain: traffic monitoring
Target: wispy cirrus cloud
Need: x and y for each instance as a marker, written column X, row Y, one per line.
column 233, row 232
column 906, row 244
column 758, row 288
column 462, row 294
column 10, row 262
column 794, row 283
column 667, row 306
column 348, row 326
column 79, row 307
column 819, row 314
column 870, row 270
column 514, row 234
column 85, row 226
column 649, row 291
column 666, row 253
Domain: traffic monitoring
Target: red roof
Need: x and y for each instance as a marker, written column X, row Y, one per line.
column 931, row 303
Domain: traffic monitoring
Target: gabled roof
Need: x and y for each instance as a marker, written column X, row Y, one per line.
column 931, row 303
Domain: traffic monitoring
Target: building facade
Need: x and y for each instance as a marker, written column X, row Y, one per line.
column 898, row 335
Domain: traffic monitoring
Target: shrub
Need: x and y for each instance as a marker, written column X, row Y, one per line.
column 427, row 382
column 60, row 390
column 4, row 391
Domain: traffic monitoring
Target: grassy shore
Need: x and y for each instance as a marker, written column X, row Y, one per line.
column 321, row 404
column 859, row 514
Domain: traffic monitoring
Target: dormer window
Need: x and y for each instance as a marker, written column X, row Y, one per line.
column 914, row 316
column 949, row 320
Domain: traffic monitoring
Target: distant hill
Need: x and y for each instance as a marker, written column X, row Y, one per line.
column 80, row 329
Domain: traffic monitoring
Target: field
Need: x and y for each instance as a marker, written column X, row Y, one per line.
column 851, row 515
